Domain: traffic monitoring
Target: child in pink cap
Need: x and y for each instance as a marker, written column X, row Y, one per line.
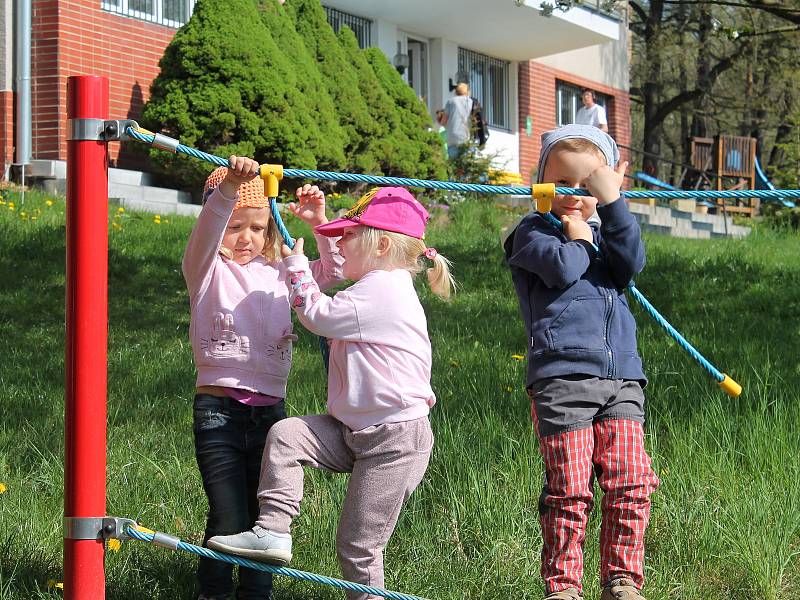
column 379, row 391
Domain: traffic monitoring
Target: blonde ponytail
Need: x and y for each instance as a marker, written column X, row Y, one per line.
column 409, row 253
column 439, row 276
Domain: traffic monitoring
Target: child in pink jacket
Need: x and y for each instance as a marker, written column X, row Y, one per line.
column 241, row 333
column 379, row 392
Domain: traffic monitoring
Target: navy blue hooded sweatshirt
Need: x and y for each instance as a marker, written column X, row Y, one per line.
column 572, row 297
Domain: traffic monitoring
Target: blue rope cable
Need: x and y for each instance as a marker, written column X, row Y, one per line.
column 498, row 189
column 674, row 334
column 302, row 575
column 222, row 162
column 276, row 216
column 474, row 187
column 651, row 310
column 507, row 190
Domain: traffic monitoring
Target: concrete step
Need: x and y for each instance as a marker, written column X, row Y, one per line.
column 680, row 223
column 129, row 177
column 153, row 199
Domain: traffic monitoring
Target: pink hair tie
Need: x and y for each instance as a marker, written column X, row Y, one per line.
column 430, row 253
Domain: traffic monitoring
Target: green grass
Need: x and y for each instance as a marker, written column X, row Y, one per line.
column 725, row 523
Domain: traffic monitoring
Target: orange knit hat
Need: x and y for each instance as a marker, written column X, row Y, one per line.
column 251, row 194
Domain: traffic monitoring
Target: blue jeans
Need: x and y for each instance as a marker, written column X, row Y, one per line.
column 229, row 440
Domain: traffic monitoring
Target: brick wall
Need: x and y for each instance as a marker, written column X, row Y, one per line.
column 76, row 37
column 537, row 99
column 6, row 130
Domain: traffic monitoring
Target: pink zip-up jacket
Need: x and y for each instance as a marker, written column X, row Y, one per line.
column 241, row 326
column 380, row 360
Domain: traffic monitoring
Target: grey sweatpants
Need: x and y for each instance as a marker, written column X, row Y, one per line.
column 386, row 462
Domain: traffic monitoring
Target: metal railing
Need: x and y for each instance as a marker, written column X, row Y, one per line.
column 170, row 13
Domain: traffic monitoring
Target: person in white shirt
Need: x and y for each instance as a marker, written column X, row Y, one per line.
column 456, row 118
column 591, row 113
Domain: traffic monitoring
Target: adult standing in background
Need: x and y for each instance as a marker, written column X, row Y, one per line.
column 456, row 119
column 591, row 113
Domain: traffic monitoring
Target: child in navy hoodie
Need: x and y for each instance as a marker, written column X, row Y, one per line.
column 585, row 375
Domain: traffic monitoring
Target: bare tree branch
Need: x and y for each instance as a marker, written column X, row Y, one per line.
column 682, row 98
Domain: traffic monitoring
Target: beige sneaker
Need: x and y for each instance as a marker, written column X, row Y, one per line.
column 621, row 589
column 568, row 594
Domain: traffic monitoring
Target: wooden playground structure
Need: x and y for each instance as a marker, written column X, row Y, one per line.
column 725, row 162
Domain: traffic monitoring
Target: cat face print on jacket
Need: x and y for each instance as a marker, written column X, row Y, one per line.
column 224, row 341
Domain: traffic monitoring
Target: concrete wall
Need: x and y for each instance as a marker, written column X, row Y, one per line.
column 605, row 63
column 384, row 36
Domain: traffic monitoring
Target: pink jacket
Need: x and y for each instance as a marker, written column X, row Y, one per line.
column 241, row 326
column 380, row 361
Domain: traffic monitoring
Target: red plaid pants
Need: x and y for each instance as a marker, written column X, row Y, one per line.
column 614, row 450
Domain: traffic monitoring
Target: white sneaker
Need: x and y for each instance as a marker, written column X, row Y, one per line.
column 259, row 544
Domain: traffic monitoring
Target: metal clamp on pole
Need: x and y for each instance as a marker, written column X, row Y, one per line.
column 96, row 528
column 99, row 130
column 83, row 528
column 85, row 129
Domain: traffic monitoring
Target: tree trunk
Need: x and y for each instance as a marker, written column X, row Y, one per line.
column 651, row 90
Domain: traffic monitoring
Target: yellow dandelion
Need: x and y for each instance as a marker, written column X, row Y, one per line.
column 116, row 226
column 157, row 219
column 48, row 202
column 518, row 357
column 114, row 545
column 121, row 209
column 454, row 363
column 2, row 201
column 34, row 218
column 23, row 214
column 52, row 584
column 3, row 488
column 509, row 388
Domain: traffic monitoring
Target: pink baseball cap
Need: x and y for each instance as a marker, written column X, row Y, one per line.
column 389, row 208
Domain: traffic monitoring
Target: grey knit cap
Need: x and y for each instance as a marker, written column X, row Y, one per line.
column 597, row 136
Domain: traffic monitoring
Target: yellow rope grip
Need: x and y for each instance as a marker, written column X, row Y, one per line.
column 542, row 195
column 271, row 174
column 144, row 529
column 730, row 387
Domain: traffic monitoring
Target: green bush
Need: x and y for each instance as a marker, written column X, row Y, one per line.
column 341, row 80
column 225, row 87
column 781, row 218
column 275, row 83
column 415, row 122
column 390, row 147
column 328, row 148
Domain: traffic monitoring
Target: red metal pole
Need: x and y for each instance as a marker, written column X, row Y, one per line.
column 86, row 339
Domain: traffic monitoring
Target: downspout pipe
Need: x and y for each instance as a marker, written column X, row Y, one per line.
column 22, row 81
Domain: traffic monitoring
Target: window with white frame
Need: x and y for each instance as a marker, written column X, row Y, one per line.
column 488, row 80
column 170, row 13
column 568, row 101
column 361, row 27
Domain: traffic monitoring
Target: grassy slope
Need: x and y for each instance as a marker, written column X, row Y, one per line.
column 726, row 521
